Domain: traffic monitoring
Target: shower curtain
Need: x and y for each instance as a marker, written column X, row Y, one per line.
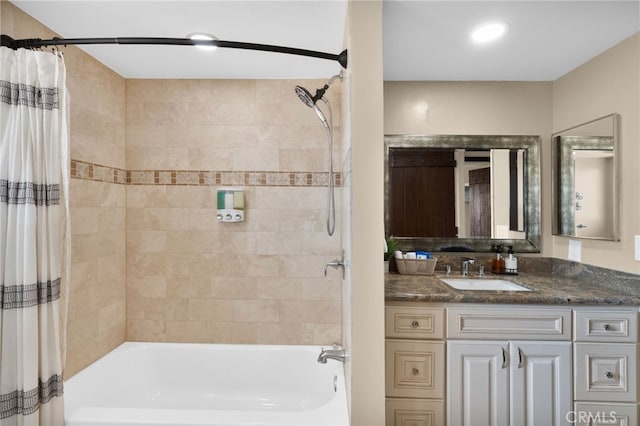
column 34, row 176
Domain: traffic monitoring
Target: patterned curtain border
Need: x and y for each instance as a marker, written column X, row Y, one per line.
column 24, row 296
column 31, row 96
column 25, row 403
column 29, row 193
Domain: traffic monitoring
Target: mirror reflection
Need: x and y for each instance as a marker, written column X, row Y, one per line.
column 462, row 193
column 584, row 180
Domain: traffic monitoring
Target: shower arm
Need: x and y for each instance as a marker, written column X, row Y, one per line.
column 11, row 43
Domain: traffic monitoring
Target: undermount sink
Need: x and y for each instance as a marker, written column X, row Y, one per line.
column 483, row 284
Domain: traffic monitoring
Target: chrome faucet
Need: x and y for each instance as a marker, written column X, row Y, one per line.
column 335, row 353
column 464, row 267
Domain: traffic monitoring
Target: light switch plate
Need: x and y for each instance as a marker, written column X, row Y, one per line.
column 636, row 256
column 575, row 250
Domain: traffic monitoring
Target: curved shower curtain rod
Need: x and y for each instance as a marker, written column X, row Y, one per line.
column 7, row 41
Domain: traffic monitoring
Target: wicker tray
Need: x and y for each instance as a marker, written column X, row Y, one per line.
column 416, row 266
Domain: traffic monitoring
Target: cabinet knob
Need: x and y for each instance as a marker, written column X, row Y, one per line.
column 609, row 375
column 415, row 324
column 415, row 371
column 608, row 327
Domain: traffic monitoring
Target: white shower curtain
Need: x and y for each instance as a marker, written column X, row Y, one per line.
column 34, row 242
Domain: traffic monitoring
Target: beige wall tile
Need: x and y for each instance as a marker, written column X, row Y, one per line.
column 147, row 286
column 256, row 311
column 314, row 333
column 234, row 332
column 279, row 334
column 188, row 331
column 146, row 330
column 234, row 287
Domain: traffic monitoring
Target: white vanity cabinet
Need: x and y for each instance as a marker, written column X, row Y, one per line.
column 605, row 379
column 415, row 364
column 523, row 379
column 511, row 365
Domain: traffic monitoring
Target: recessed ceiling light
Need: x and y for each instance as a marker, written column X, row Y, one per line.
column 488, row 32
column 203, row 36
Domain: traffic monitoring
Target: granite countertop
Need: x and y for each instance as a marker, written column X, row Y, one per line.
column 546, row 288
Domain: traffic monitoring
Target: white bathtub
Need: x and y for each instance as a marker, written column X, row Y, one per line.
column 201, row 384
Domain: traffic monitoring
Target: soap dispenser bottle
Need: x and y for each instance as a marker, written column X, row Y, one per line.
column 497, row 265
column 511, row 263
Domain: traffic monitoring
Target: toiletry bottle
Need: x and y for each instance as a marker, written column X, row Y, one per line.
column 511, row 263
column 497, row 265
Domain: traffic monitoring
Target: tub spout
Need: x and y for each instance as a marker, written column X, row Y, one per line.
column 337, row 354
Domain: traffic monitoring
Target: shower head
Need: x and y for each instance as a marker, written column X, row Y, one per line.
column 305, row 96
column 311, row 100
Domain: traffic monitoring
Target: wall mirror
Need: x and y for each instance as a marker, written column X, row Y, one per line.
column 462, row 193
column 585, row 180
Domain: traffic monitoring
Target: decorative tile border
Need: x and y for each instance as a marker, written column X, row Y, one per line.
column 97, row 172
column 100, row 173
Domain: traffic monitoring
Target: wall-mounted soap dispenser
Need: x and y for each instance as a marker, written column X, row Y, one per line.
column 230, row 205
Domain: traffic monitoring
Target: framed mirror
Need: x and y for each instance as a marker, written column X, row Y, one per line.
column 585, row 180
column 462, row 193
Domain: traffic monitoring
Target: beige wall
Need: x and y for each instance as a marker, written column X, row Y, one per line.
column 189, row 276
column 367, row 233
column 476, row 108
column 96, row 316
column 609, row 83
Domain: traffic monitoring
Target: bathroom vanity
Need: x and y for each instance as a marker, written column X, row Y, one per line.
column 562, row 353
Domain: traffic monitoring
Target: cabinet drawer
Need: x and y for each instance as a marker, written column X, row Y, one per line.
column 605, row 372
column 414, row 412
column 521, row 323
column 606, row 325
column 414, row 322
column 414, row 369
column 594, row 414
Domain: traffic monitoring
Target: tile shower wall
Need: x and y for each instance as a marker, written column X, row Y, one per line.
column 191, row 278
column 97, row 306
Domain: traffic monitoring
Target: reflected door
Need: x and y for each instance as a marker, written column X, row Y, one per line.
column 594, row 196
column 422, row 196
column 480, row 202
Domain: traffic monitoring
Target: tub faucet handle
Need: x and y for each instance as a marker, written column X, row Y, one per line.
column 335, row 263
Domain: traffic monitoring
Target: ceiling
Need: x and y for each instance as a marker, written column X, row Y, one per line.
column 423, row 40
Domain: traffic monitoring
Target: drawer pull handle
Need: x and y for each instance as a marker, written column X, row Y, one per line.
column 415, row 324
column 609, row 375
column 608, row 327
column 504, row 358
column 415, row 371
column 520, row 358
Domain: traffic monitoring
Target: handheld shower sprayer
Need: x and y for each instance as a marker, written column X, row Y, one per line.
column 311, row 101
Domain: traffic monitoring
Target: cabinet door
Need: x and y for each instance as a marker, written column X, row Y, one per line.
column 478, row 383
column 540, row 383
column 601, row 414
column 606, row 372
column 414, row 369
column 414, row 412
